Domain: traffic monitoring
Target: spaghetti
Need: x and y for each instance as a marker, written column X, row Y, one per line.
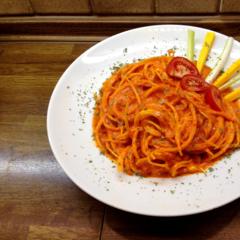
column 149, row 125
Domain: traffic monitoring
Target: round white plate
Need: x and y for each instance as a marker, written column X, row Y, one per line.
column 69, row 125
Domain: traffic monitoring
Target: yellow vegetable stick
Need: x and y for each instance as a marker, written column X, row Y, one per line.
column 228, row 74
column 235, row 94
column 207, row 45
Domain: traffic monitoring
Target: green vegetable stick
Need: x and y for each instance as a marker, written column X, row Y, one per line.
column 190, row 45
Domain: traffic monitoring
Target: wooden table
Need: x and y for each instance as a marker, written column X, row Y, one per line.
column 37, row 199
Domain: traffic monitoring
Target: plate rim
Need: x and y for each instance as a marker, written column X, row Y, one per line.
column 51, row 138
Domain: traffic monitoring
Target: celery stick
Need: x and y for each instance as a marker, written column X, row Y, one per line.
column 190, row 45
column 221, row 61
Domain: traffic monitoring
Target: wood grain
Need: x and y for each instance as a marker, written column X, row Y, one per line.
column 230, row 6
column 61, row 6
column 100, row 27
column 223, row 223
column 57, row 233
column 187, row 6
column 123, row 7
column 15, row 7
column 38, row 201
column 49, row 38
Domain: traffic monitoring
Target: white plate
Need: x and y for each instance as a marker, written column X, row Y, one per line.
column 69, row 128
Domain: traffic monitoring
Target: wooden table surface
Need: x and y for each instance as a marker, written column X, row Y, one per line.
column 37, row 199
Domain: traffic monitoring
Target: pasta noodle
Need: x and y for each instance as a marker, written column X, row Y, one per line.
column 148, row 125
